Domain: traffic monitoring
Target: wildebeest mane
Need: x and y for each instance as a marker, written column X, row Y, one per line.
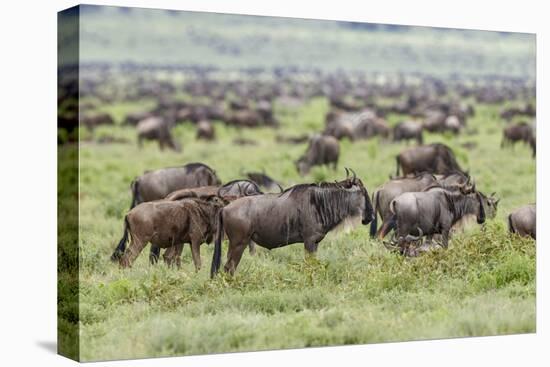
column 330, row 200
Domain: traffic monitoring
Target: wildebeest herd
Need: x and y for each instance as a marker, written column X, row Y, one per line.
column 428, row 199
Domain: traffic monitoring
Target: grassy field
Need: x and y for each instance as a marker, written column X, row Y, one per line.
column 354, row 292
column 236, row 41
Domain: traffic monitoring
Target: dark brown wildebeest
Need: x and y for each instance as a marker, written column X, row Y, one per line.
column 367, row 128
column 205, row 130
column 322, row 149
column 156, row 185
column 519, row 132
column 434, row 158
column 523, row 221
column 244, row 118
column 263, row 180
column 303, row 213
column 408, row 130
column 168, row 224
column 433, row 212
column 93, row 120
column 157, row 128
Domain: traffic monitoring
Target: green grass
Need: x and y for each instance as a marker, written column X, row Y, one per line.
column 354, row 292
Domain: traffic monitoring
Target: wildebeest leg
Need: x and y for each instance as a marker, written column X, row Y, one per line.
column 252, row 248
column 196, row 253
column 445, row 241
column 173, row 255
column 387, row 225
column 134, row 249
column 154, row 254
column 234, row 255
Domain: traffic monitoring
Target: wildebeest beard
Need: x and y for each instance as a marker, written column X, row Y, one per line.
column 330, row 203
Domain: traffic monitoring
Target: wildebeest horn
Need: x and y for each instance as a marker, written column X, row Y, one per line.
column 347, row 172
column 411, row 238
column 493, row 193
column 354, row 175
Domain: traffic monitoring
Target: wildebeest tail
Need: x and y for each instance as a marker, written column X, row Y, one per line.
column 119, row 250
column 135, row 193
column 510, row 224
column 217, row 256
column 374, row 223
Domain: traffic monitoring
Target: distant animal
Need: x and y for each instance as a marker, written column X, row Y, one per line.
column 433, row 212
column 519, row 132
column 244, row 141
column 168, row 224
column 205, row 130
column 408, row 130
column 264, row 181
column 303, row 213
column 92, row 120
column 134, row 117
column 156, row 185
column 157, row 128
column 523, row 221
column 299, row 139
column 322, row 150
column 434, row 158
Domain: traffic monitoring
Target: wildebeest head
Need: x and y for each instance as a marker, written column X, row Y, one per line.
column 355, row 184
column 469, row 189
column 490, row 204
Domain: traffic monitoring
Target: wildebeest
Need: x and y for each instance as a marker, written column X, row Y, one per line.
column 434, row 158
column 433, row 212
column 264, row 181
column 93, row 120
column 157, row 128
column 168, row 224
column 408, row 130
column 156, row 185
column 322, row 149
column 134, row 117
column 205, row 130
column 523, row 221
column 292, row 139
column 383, row 196
column 519, row 132
column 303, row 213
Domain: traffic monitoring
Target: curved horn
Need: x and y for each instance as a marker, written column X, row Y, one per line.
column 493, row 193
column 347, row 172
column 411, row 238
column 354, row 175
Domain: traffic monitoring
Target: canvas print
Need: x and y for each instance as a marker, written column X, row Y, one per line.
column 231, row 183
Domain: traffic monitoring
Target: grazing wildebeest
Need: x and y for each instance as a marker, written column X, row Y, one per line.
column 433, row 212
column 434, row 158
column 156, row 185
column 168, row 224
column 322, row 149
column 303, row 213
column 523, row 221
column 157, row 128
column 264, row 181
column 205, row 130
column 519, row 132
column 408, row 130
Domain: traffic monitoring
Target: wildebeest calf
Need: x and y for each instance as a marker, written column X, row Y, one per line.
column 171, row 224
